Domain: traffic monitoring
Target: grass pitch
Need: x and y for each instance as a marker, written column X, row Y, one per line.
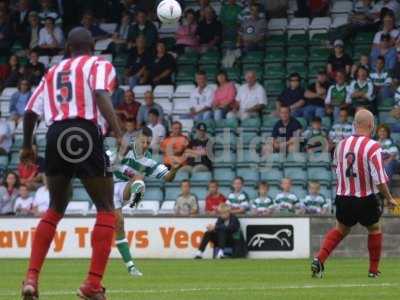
column 346, row 279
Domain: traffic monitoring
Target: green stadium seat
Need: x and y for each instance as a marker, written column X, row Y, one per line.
column 120, row 60
column 225, row 138
column 250, row 175
column 253, row 57
column 251, row 191
column 274, row 87
column 297, row 54
column 298, row 40
column 359, row 50
column 233, row 74
column 299, row 191
column 271, row 106
column 276, row 40
column 386, row 104
column 322, row 159
column 273, row 191
column 172, row 193
column 187, row 59
column 297, row 159
column 274, row 55
column 271, row 175
column 210, row 58
column 251, row 123
column 201, row 177
column 318, row 54
column 211, row 71
column 186, row 73
column 17, row 145
column 249, row 138
column 3, row 162
column 182, row 175
column 395, row 137
column 319, row 174
column 298, row 175
column 153, row 194
column 200, row 192
column 269, row 122
column 274, row 71
column 170, row 43
column 314, row 68
column 224, row 174
column 247, row 156
column 224, row 157
column 364, row 38
column 297, row 67
column 272, row 160
column 227, row 123
column 326, row 123
column 318, row 39
column 80, row 194
column 256, row 68
column 303, row 122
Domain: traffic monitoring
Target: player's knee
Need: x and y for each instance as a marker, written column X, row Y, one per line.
column 374, row 229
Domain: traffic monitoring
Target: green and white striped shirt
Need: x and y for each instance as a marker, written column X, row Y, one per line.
column 337, row 95
column 315, row 203
column 134, row 164
column 262, row 203
column 286, row 201
column 366, row 87
column 381, row 79
column 340, row 131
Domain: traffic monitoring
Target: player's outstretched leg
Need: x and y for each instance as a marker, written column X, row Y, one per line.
column 100, row 190
column 123, row 246
column 331, row 241
column 45, row 231
column 374, row 249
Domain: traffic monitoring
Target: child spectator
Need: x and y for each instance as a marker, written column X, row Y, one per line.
column 337, row 95
column 285, row 201
column 315, row 137
column 361, row 90
column 292, row 96
column 23, row 204
column 342, row 129
column 186, row 204
column 214, row 198
column 173, row 147
column 390, row 151
column 263, row 205
column 19, row 100
column 363, row 62
column 9, row 193
column 314, row 203
column 238, row 199
column 381, row 80
column 130, row 130
column 42, row 199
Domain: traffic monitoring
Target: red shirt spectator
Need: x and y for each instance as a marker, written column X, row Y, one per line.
column 129, row 108
column 214, row 198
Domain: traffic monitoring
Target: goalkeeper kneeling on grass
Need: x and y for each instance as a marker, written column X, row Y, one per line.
column 136, row 164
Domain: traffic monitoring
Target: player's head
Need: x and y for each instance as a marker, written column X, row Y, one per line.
column 364, row 122
column 237, row 184
column 143, row 140
column 314, row 187
column 286, row 184
column 224, row 211
column 80, row 41
column 263, row 188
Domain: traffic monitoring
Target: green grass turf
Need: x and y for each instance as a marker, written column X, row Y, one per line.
column 208, row 280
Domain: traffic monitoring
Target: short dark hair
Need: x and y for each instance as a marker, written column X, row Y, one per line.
column 239, row 178
column 213, row 181
column 176, row 122
column 262, row 182
column 185, row 181
column 50, row 19
column 201, row 72
column 316, row 119
column 154, row 111
column 284, row 106
column 295, row 75
column 146, row 131
column 381, row 57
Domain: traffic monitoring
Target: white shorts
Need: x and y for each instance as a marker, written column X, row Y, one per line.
column 119, row 194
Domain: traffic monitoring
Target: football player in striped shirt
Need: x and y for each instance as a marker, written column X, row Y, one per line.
column 130, row 187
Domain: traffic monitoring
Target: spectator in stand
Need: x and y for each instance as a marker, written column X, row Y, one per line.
column 129, row 109
column 224, row 96
column 136, row 69
column 396, row 71
column 229, row 17
column 157, row 128
column 20, row 17
column 341, row 129
column 186, row 203
column 315, row 97
column 162, row 67
column 185, row 36
column 34, row 70
column 361, row 90
column 19, row 100
column 311, row 9
column 118, row 94
column 251, row 98
column 47, row 11
column 143, row 27
column 30, row 39
column 214, row 198
column 238, row 200
column 364, row 62
column 143, row 114
column 23, row 204
column 130, row 131
column 224, row 233
column 381, row 80
column 51, row 38
column 209, row 31
column 390, row 151
column 293, row 96
column 203, row 5
column 120, row 36
column 338, row 60
column 388, row 27
column 6, row 34
column 9, row 193
column 246, row 11
column 42, row 199
column 174, row 146
column 6, row 136
column 196, row 152
column 315, row 137
column 201, row 98
column 263, row 205
column 286, row 201
column 362, row 17
column 337, row 95
column 386, row 50
column 31, row 172
column 276, row 8
column 314, row 203
column 14, row 72
column 88, row 23
column 252, row 31
column 285, row 134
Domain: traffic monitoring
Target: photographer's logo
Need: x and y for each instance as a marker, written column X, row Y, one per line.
column 270, row 237
column 74, row 145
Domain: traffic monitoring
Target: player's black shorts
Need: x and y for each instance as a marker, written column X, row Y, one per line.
column 75, row 149
column 352, row 210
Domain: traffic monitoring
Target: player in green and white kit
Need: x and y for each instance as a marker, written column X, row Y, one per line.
column 129, row 188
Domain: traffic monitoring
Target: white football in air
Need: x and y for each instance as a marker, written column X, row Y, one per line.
column 169, row 11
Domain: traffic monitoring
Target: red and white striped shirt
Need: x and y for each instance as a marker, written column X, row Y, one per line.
column 67, row 90
column 359, row 167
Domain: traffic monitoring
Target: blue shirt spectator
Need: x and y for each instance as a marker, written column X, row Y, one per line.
column 19, row 100
column 386, row 50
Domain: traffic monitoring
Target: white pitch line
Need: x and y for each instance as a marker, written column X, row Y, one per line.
column 205, row 289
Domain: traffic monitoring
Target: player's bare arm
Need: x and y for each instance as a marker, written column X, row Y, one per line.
column 30, row 119
column 384, row 190
column 103, row 100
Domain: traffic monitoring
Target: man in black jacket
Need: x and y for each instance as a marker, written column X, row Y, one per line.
column 225, row 233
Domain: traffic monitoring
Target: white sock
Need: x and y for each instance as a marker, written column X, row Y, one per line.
column 220, row 253
column 199, row 253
